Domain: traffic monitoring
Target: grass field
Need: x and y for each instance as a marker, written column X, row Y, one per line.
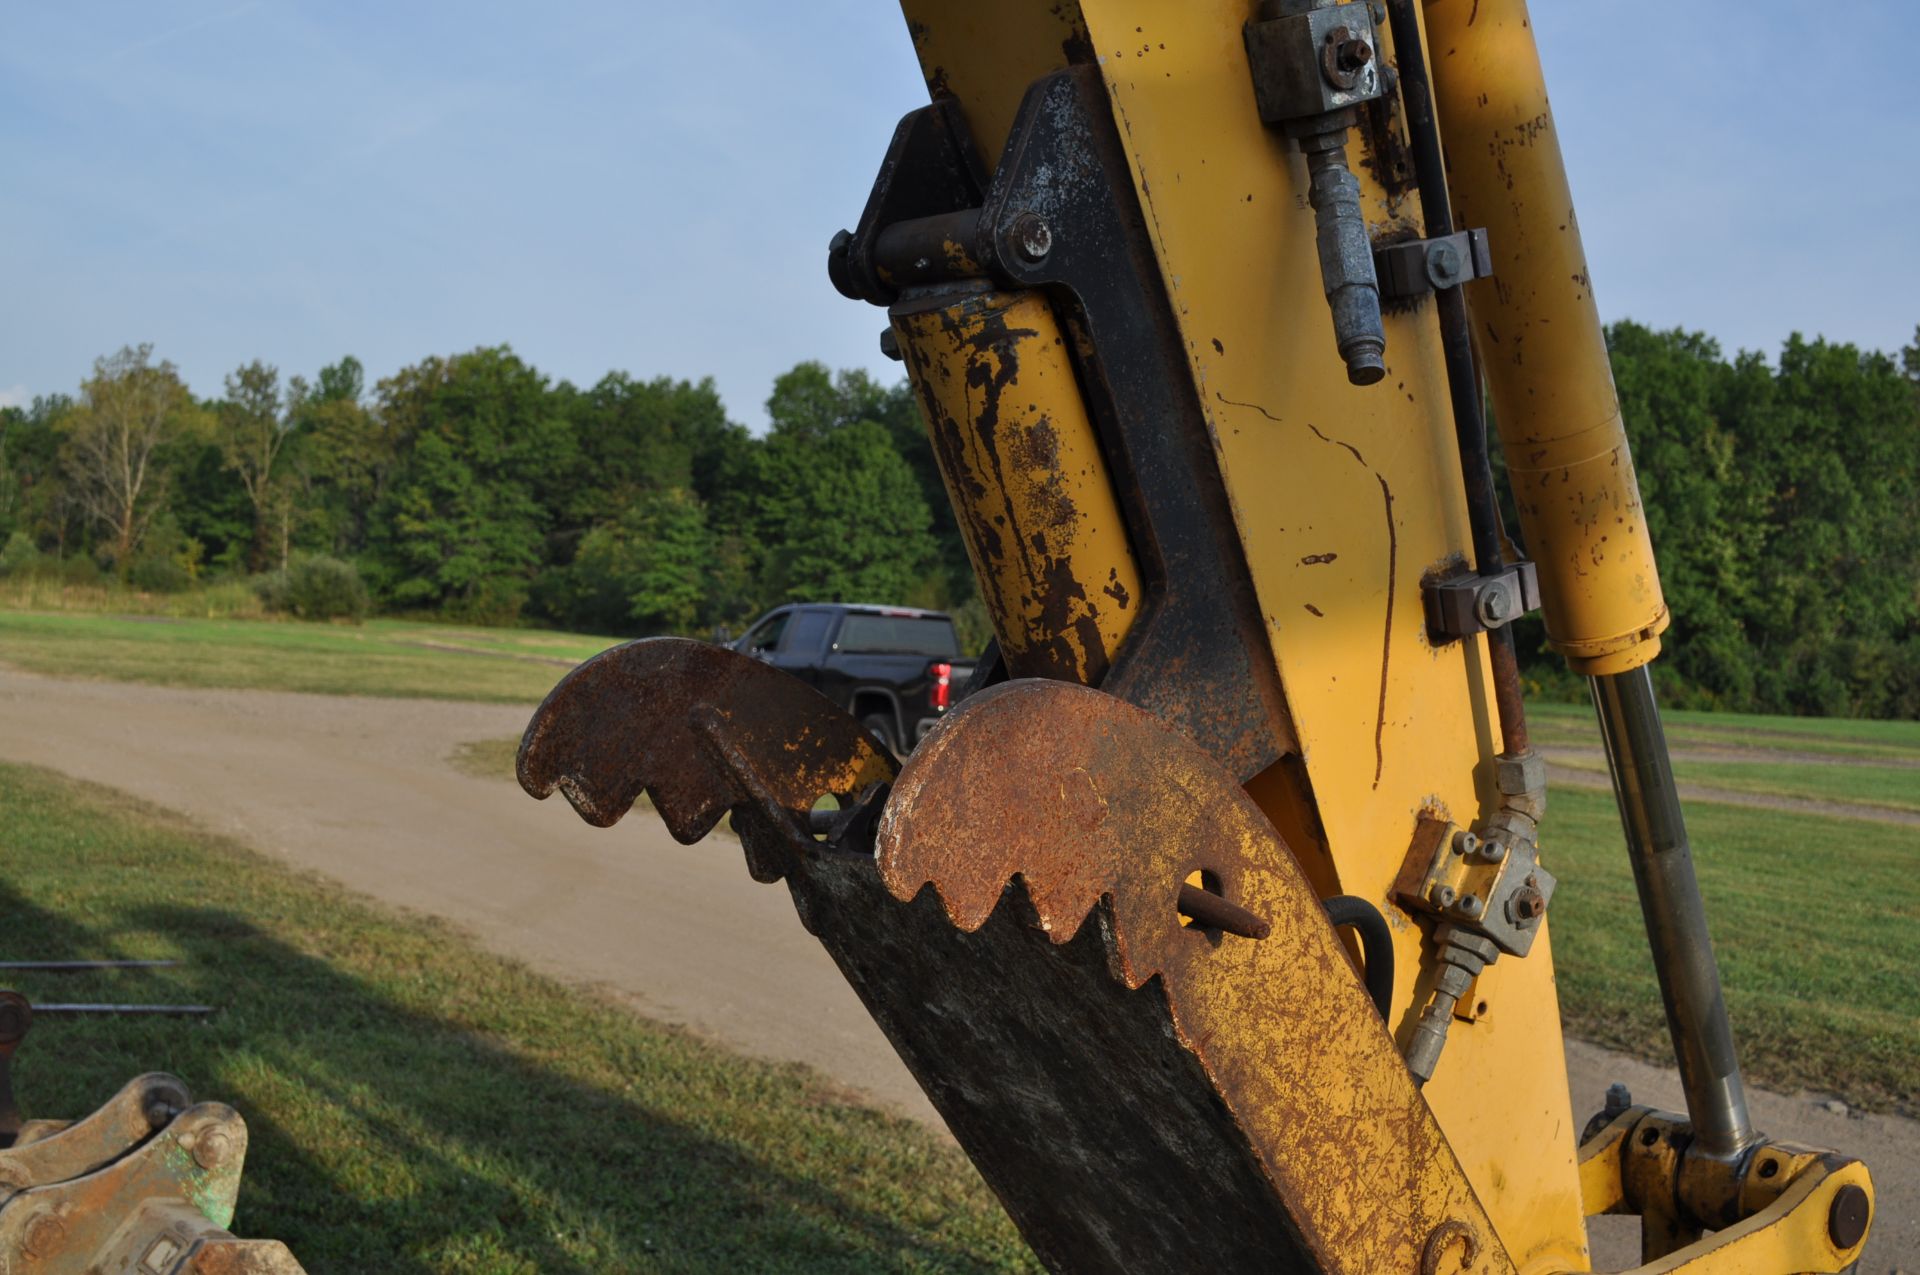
column 380, row 657
column 1817, row 920
column 416, row 1104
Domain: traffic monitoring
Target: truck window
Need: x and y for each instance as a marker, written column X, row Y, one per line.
column 808, row 632
column 766, row 635
column 897, row 634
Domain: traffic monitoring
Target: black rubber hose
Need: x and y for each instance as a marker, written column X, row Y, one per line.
column 1456, row 341
column 1376, row 945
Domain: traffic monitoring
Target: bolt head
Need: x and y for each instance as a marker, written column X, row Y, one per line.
column 1619, row 1097
column 211, row 1148
column 1492, row 851
column 1465, row 843
column 1441, row 895
column 1032, row 237
column 45, row 1236
column 1471, row 906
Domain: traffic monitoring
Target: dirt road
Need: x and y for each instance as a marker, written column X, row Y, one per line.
column 359, row 790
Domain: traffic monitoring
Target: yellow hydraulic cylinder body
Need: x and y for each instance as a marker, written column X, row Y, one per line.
column 1343, row 498
column 1023, row 468
column 1538, row 335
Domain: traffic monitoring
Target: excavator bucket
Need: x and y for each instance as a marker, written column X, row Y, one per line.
column 1139, row 1085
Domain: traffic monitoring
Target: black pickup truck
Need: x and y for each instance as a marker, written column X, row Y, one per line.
column 895, row 668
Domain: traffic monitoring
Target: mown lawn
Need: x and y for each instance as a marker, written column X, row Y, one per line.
column 1572, row 725
column 1816, row 922
column 380, row 657
column 418, row 1105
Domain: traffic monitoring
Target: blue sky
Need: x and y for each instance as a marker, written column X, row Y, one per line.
column 651, row 186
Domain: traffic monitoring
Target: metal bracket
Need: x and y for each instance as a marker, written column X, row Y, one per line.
column 1414, row 267
column 1464, row 605
column 1492, row 885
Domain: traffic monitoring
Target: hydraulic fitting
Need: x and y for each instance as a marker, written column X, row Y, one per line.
column 1313, row 62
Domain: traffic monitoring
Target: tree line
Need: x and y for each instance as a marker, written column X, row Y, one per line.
column 476, row 488
column 1783, row 499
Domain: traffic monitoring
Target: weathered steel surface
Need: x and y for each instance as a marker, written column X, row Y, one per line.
column 702, row 730
column 1101, row 812
column 144, row 1105
column 160, row 1205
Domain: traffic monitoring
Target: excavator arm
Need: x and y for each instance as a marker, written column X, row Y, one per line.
column 1215, row 918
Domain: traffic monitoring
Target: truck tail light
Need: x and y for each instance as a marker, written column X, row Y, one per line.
column 942, row 689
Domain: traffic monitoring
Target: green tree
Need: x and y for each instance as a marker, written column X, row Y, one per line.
column 480, row 446
column 342, row 459
column 648, row 570
column 118, row 445
column 34, row 498
column 842, row 516
column 255, row 424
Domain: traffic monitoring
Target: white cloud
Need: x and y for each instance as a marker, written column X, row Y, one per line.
column 14, row 396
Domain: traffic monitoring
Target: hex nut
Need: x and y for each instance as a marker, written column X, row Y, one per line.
column 1525, row 906
column 1517, row 775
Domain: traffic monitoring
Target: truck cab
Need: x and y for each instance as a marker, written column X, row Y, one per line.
column 897, row 669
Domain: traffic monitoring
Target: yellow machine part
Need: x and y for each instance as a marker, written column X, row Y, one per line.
column 1344, row 497
column 1023, row 468
column 1538, row 335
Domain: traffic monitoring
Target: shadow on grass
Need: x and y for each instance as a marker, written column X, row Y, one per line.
column 388, row 1136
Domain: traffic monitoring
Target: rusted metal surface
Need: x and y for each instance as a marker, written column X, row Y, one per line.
column 701, row 730
column 143, row 1106
column 1052, row 806
column 160, row 1204
column 1023, row 467
column 1209, row 911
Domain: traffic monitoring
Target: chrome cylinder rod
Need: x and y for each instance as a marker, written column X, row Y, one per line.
column 1676, row 919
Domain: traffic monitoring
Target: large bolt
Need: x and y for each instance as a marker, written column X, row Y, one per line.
column 1847, row 1219
column 210, row 1148
column 45, row 1236
column 1526, row 906
column 1344, row 57
column 1032, row 237
column 1496, row 604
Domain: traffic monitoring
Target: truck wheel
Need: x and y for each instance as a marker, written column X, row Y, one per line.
column 882, row 725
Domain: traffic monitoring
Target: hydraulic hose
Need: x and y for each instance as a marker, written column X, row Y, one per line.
column 1456, row 342
column 1376, row 945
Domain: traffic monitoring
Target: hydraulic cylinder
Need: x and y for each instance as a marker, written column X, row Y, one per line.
column 1538, row 335
column 1023, row 466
